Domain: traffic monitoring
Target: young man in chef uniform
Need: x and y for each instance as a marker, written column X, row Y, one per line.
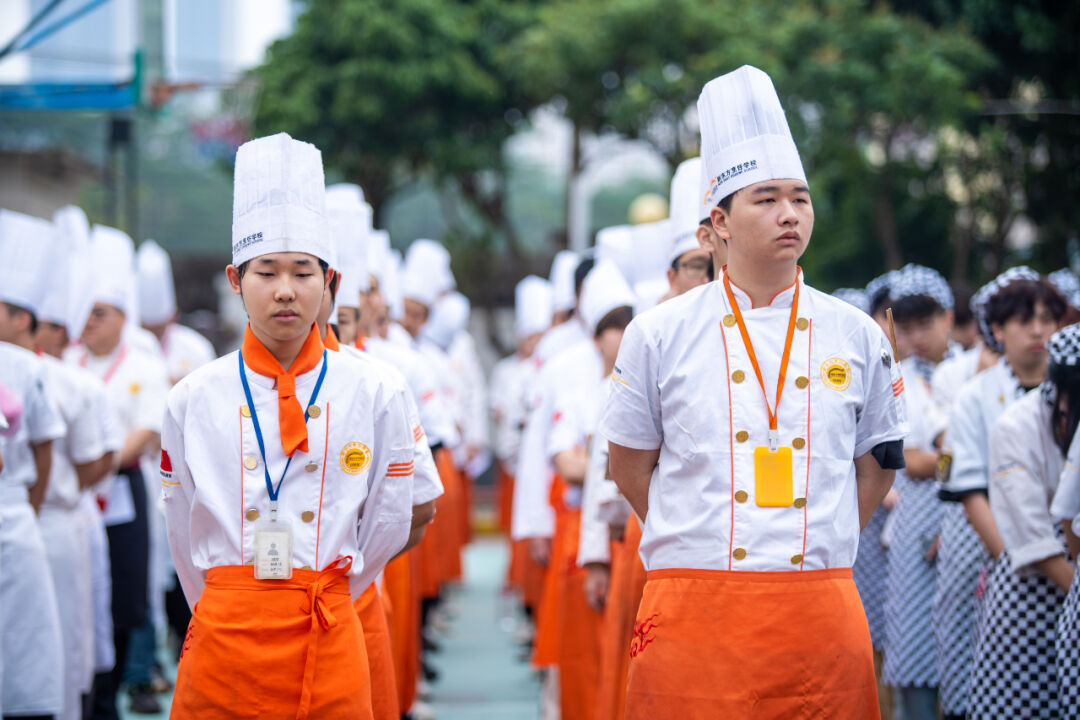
column 752, row 522
column 286, row 490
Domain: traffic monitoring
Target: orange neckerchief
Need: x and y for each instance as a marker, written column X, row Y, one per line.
column 331, row 341
column 290, row 414
column 360, row 337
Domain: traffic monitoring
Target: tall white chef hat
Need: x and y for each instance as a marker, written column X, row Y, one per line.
column 561, row 278
column 26, row 246
column 157, row 294
column 604, row 289
column 114, row 270
column 378, row 252
column 391, row 285
column 616, row 243
column 279, row 200
column 449, row 317
column 650, row 249
column 69, row 300
column 745, row 138
column 688, row 208
column 426, row 272
column 349, row 220
column 532, row 306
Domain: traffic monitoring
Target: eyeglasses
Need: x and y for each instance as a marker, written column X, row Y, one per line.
column 696, row 268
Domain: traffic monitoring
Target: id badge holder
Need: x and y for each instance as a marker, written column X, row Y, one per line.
column 774, row 478
column 273, row 550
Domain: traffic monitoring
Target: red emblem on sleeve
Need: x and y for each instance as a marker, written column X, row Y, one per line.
column 166, row 464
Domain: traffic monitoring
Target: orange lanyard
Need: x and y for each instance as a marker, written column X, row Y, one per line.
column 774, row 432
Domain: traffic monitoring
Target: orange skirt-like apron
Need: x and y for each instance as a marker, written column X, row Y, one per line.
column 720, row 644
column 273, row 649
column 624, row 596
column 402, row 579
column 371, row 612
column 446, row 527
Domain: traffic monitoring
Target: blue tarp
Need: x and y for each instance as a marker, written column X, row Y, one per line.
column 69, row 96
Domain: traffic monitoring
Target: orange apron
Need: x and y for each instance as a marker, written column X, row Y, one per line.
column 532, row 578
column 446, row 526
column 372, row 615
column 624, row 596
column 721, row 644
column 504, row 498
column 546, row 643
column 273, row 649
column 401, row 576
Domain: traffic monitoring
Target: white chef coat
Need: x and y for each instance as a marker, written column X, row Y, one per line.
column 1066, row 504
column 435, row 413
column 509, row 380
column 465, row 361
column 30, row 634
column 951, row 374
column 136, row 383
column 1025, row 468
column 594, row 543
column 184, row 350
column 573, row 370
column 978, row 404
column 79, row 398
column 558, row 338
column 213, row 499
column 684, row 384
column 426, row 483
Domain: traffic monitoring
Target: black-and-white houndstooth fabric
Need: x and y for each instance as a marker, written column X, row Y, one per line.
column 961, row 559
column 1015, row 671
column 980, row 301
column 912, row 280
column 1068, row 652
column 910, row 646
column 856, row 297
column 1063, row 350
column 879, row 284
column 870, row 572
column 1067, row 283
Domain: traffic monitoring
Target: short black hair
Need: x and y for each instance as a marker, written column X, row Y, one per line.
column 583, row 269
column 617, row 319
column 962, row 292
column 916, row 307
column 1066, row 380
column 243, row 267
column 879, row 299
column 12, row 308
column 1018, row 299
column 334, row 282
column 725, row 202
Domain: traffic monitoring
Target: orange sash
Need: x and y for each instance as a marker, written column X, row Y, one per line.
column 273, row 649
column 401, row 576
column 720, row 644
column 624, row 596
column 372, row 615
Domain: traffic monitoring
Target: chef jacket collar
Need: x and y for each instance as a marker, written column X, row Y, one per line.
column 781, row 300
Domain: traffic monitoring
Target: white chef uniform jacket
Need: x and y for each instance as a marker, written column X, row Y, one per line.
column 1025, row 469
column 213, row 500
column 184, row 350
column 435, row 413
column 951, row 374
column 1066, row 504
column 573, row 370
column 465, row 362
column 510, row 381
column 426, row 483
column 977, row 406
column 30, row 634
column 79, row 397
column 684, row 384
column 560, row 337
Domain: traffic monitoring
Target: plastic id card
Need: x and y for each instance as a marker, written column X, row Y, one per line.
column 774, row 479
column 273, row 551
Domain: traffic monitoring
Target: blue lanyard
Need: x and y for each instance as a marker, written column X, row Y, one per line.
column 270, row 488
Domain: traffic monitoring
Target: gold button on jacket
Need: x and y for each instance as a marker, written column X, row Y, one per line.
column 252, row 515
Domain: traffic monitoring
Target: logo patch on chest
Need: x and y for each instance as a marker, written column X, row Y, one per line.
column 836, row 373
column 355, row 457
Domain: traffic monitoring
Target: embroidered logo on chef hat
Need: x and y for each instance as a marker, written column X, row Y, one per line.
column 355, row 457
column 836, row 373
column 912, row 280
column 1063, row 350
column 980, row 301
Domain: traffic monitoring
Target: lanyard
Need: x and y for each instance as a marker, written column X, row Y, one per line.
column 271, row 489
column 113, row 366
column 774, row 432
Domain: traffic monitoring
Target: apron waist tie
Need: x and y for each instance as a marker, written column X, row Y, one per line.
column 322, row 618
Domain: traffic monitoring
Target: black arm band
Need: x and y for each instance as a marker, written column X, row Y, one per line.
column 435, row 447
column 959, row 495
column 889, row 455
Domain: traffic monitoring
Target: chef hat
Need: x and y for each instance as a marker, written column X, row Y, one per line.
column 650, row 250
column 604, row 289
column 378, row 250
column 880, row 288
column 1068, row 284
column 649, row 292
column 426, row 272
column 449, row 317
column 532, row 306
column 390, row 285
column 26, row 246
column 114, row 269
column 69, row 300
column 853, row 296
column 157, row 295
column 914, row 279
column 1063, row 351
column 349, row 220
column 745, row 137
column 561, row 278
column 279, row 201
column 616, row 243
column 980, row 301
column 687, row 207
